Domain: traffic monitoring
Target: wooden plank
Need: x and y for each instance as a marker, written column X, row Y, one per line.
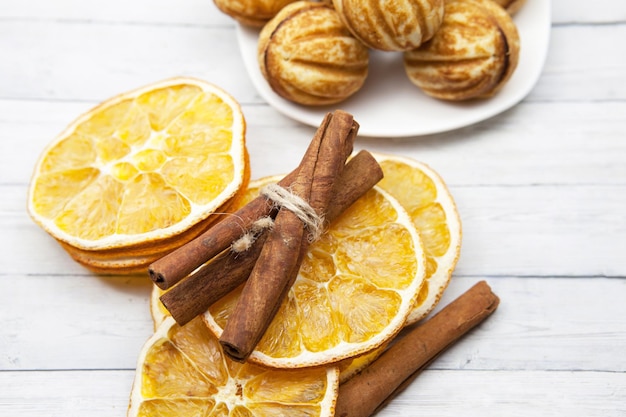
column 440, row 393
column 588, row 69
column 92, row 322
column 204, row 12
column 535, row 143
column 603, row 11
column 512, row 394
column 543, row 323
column 531, row 144
column 65, row 393
column 73, row 322
column 547, row 230
column 542, row 230
column 84, row 61
column 157, row 12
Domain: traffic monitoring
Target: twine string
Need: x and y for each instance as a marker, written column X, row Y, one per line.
column 281, row 197
column 285, row 198
column 247, row 239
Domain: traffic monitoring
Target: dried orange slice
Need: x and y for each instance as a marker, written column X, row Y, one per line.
column 182, row 371
column 426, row 198
column 141, row 173
column 158, row 312
column 347, row 367
column 355, row 288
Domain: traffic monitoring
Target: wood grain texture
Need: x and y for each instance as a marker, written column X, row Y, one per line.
column 434, row 392
column 124, row 56
column 533, row 230
column 200, row 11
column 541, row 190
column 136, row 12
column 544, row 323
column 505, row 150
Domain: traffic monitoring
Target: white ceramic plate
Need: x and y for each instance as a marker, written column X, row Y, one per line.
column 388, row 105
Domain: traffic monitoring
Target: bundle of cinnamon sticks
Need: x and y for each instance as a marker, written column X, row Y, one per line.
column 316, row 192
column 323, row 186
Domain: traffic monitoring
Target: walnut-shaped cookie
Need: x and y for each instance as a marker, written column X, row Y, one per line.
column 511, row 6
column 255, row 13
column 308, row 56
column 473, row 54
column 391, row 25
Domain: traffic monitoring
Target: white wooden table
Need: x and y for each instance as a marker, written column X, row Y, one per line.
column 541, row 190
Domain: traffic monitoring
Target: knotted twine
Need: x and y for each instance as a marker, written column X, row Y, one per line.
column 283, row 198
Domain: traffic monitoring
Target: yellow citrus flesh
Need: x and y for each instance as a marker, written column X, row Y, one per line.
column 136, row 258
column 347, row 367
column 158, row 312
column 182, row 372
column 356, row 287
column 424, row 195
column 141, row 167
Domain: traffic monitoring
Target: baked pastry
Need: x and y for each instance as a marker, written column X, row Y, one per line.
column 255, row 13
column 308, row 56
column 511, row 6
column 391, row 25
column 473, row 54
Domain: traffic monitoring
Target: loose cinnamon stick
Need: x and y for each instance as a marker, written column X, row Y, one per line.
column 173, row 267
column 196, row 293
column 366, row 392
column 280, row 257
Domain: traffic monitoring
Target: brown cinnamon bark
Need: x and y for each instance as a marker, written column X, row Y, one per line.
column 173, row 267
column 368, row 391
column 195, row 294
column 280, row 256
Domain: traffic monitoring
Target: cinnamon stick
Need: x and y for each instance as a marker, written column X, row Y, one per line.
column 173, row 267
column 197, row 292
column 280, row 256
column 368, row 391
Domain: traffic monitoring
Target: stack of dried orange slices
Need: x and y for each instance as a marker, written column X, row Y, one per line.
column 367, row 277
column 141, row 174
